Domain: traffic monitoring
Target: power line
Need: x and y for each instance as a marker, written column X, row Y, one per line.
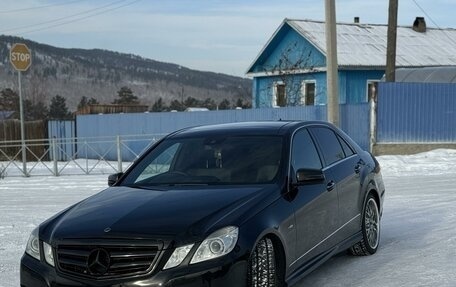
column 433, row 22
column 61, row 18
column 38, row 7
column 426, row 14
column 81, row 18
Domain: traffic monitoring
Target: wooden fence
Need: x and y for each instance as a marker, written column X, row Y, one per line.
column 10, row 137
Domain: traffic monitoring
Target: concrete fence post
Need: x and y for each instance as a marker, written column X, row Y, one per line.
column 373, row 124
column 54, row 156
column 119, row 154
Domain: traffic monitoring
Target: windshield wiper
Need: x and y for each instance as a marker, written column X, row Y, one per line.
column 148, row 187
column 187, row 184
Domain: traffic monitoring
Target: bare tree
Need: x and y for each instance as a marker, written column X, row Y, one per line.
column 286, row 89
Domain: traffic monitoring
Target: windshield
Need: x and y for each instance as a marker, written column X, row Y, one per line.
column 209, row 160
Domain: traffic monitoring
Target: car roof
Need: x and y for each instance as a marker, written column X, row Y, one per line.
column 246, row 128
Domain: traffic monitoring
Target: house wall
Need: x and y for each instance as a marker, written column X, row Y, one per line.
column 288, row 47
column 353, row 84
column 352, row 87
column 263, row 89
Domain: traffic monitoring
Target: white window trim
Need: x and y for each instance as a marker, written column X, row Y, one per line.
column 366, row 99
column 274, row 93
column 303, row 91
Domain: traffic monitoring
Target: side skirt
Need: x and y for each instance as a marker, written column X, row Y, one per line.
column 318, row 260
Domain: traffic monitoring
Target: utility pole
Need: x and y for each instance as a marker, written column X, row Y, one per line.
column 390, row 73
column 331, row 63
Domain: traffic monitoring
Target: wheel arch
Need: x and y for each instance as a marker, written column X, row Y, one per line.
column 280, row 254
column 279, row 250
column 371, row 189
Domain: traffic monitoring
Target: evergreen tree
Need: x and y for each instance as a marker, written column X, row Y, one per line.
column 191, row 102
column 240, row 103
column 93, row 101
column 9, row 101
column 82, row 103
column 86, row 102
column 126, row 97
column 224, row 105
column 33, row 112
column 58, row 109
column 210, row 104
column 176, row 105
column 158, row 105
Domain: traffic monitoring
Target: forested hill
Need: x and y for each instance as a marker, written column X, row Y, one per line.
column 73, row 73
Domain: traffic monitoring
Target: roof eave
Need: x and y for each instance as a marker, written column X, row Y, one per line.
column 305, row 36
column 264, row 47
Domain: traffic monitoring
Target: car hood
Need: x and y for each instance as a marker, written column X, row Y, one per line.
column 123, row 212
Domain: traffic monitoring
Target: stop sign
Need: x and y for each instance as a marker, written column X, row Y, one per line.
column 20, row 57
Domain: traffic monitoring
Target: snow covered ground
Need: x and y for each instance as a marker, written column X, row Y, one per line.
column 417, row 248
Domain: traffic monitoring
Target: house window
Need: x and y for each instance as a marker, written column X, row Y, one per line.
column 279, row 95
column 372, row 90
column 308, row 93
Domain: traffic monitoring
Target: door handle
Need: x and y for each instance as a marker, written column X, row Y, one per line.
column 357, row 168
column 330, row 186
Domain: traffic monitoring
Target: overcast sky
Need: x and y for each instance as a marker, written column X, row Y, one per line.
column 213, row 35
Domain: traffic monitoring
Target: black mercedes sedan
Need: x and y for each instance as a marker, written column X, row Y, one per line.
column 243, row 204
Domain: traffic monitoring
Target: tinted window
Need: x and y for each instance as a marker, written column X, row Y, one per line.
column 210, row 160
column 347, row 149
column 160, row 164
column 304, row 154
column 330, row 146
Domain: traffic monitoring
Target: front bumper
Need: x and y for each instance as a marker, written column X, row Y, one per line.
column 221, row 273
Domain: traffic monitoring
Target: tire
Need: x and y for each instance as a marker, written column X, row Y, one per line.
column 262, row 270
column 370, row 228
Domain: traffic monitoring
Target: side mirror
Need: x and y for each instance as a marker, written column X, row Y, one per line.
column 113, row 178
column 305, row 175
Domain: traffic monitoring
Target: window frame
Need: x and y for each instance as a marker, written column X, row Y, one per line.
column 275, row 98
column 368, row 82
column 303, row 99
column 320, row 146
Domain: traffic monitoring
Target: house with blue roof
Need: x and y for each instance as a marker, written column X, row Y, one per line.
column 290, row 70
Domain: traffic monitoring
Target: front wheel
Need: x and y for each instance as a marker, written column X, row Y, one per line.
column 370, row 229
column 263, row 271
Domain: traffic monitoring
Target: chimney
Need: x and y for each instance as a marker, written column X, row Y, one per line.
column 419, row 25
column 356, row 20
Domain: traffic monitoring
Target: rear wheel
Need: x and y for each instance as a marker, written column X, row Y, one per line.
column 370, row 229
column 263, row 271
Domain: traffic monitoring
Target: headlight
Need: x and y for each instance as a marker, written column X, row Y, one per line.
column 33, row 245
column 48, row 255
column 178, row 256
column 217, row 244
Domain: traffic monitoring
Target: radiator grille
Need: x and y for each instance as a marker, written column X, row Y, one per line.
column 105, row 262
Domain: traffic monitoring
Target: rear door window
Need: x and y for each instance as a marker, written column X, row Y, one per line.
column 329, row 144
column 347, row 149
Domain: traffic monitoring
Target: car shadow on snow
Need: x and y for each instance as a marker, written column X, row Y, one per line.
column 405, row 230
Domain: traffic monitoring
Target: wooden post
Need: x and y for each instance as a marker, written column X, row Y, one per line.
column 390, row 73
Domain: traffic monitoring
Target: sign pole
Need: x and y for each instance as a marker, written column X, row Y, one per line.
column 21, row 111
column 21, row 59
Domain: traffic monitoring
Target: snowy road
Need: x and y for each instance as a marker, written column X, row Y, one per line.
column 417, row 248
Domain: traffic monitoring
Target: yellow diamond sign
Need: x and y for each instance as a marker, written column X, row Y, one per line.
column 20, row 57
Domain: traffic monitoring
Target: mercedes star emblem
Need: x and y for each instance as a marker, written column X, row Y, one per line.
column 98, row 262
